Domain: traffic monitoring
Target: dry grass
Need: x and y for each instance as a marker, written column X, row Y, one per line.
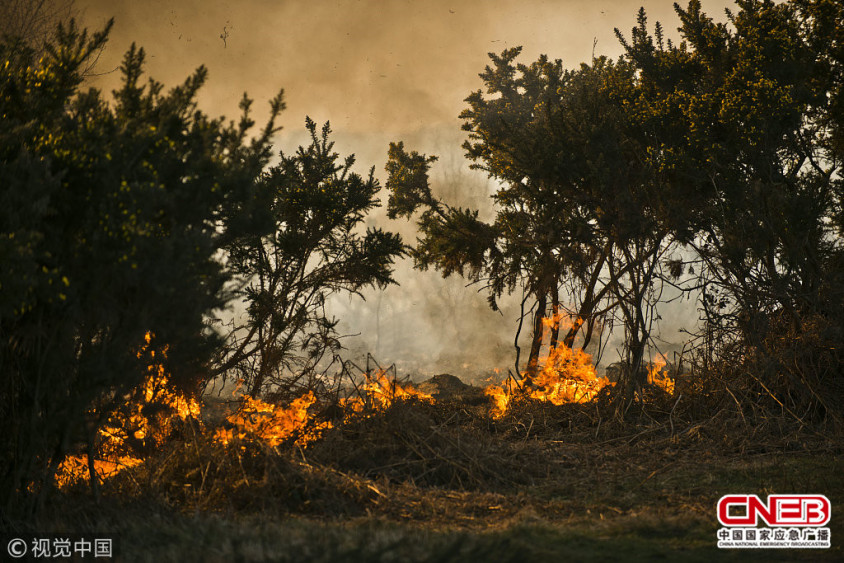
column 648, row 495
column 429, row 445
column 446, row 482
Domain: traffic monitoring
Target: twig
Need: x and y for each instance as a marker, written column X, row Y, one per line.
column 654, row 472
column 240, row 462
column 527, row 434
column 671, row 414
column 771, row 394
column 740, row 410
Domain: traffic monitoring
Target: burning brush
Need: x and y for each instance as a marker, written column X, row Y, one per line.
column 153, row 411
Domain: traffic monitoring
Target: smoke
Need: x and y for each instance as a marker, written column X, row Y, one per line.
column 380, row 72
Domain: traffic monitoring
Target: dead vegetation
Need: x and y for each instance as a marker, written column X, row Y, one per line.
column 454, row 444
column 457, row 483
column 430, row 445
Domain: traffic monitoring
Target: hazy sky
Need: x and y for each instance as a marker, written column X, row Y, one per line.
column 392, row 67
column 379, row 71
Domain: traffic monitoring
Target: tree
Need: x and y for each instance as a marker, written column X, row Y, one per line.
column 750, row 115
column 111, row 220
column 728, row 143
column 314, row 249
column 577, row 193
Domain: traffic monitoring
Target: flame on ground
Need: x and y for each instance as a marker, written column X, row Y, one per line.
column 131, row 426
column 658, row 377
column 74, row 468
column 254, row 418
column 567, row 375
column 273, row 424
column 379, row 392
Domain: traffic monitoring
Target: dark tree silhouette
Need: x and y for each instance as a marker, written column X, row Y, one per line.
column 111, row 219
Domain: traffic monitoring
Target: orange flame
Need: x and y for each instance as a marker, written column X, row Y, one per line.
column 386, row 391
column 132, row 424
column 273, row 424
column 270, row 423
column 659, row 378
column 74, row 468
column 567, row 376
column 500, row 399
column 380, row 392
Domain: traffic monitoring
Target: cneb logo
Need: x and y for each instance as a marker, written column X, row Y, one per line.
column 781, row 510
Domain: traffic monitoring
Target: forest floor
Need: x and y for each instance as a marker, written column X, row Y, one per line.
column 424, row 483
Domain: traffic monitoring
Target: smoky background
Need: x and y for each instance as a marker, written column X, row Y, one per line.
column 381, row 72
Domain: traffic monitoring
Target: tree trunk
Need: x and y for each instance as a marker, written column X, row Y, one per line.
column 555, row 312
column 92, row 471
column 590, row 301
column 572, row 333
column 536, row 344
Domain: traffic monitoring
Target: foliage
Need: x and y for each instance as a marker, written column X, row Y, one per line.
column 33, row 21
column 576, row 195
column 314, row 249
column 750, row 112
column 728, row 143
column 111, row 218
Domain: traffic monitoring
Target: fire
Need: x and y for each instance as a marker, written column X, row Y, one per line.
column 385, row 391
column 379, row 391
column 74, row 468
column 567, row 376
column 131, row 426
column 273, row 424
column 270, row 423
column 500, row 399
column 559, row 320
column 151, row 411
column 156, row 390
column 659, row 378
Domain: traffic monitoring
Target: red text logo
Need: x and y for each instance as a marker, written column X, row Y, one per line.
column 780, row 510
